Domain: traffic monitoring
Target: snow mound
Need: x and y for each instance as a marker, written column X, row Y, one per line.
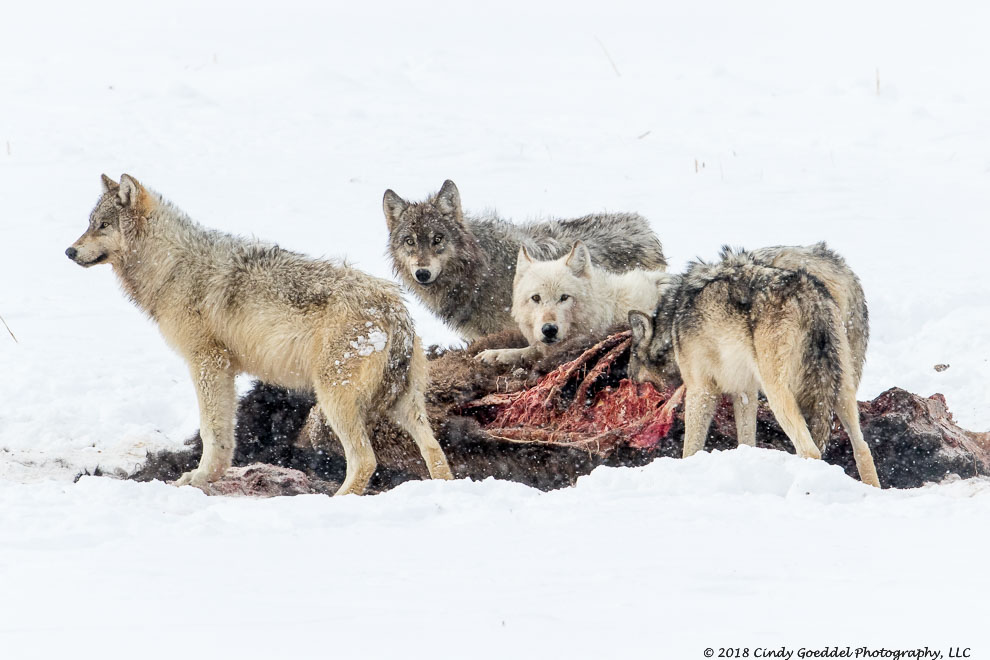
column 738, row 472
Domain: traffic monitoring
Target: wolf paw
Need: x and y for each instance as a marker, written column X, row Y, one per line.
column 499, row 356
column 196, row 478
column 488, row 357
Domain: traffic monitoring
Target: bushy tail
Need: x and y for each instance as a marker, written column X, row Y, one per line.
column 822, row 365
column 857, row 319
column 404, row 355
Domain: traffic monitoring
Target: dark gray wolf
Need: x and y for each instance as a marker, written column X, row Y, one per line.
column 741, row 326
column 462, row 267
column 229, row 305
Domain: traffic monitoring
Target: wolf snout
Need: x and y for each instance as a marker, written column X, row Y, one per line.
column 71, row 253
column 549, row 332
column 423, row 275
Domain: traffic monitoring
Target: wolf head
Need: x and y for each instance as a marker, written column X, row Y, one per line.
column 425, row 237
column 118, row 217
column 651, row 356
column 551, row 300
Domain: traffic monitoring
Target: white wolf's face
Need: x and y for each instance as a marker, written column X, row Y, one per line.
column 110, row 222
column 547, row 296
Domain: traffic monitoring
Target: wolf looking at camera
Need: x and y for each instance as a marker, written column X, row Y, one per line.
column 462, row 267
column 229, row 305
column 557, row 299
column 741, row 326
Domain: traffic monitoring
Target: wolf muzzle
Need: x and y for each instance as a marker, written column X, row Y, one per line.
column 549, row 333
column 73, row 253
column 423, row 276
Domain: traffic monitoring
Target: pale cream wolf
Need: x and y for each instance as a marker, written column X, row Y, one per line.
column 741, row 326
column 553, row 300
column 229, row 305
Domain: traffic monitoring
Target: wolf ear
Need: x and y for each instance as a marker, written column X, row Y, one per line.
column 579, row 260
column 523, row 257
column 393, row 205
column 130, row 191
column 449, row 199
column 642, row 327
column 523, row 260
column 109, row 185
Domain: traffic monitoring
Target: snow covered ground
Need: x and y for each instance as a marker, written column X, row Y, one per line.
column 758, row 123
column 743, row 548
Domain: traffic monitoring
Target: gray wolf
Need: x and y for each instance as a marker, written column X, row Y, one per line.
column 462, row 266
column 741, row 326
column 556, row 299
column 229, row 305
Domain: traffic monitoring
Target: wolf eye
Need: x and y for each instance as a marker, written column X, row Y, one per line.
column 536, row 298
column 564, row 297
column 438, row 239
column 104, row 225
column 408, row 240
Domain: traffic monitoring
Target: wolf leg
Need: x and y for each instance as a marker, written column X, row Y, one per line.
column 509, row 355
column 848, row 410
column 699, row 406
column 744, row 406
column 348, row 419
column 785, row 408
column 313, row 433
column 410, row 415
column 213, row 377
column 409, row 412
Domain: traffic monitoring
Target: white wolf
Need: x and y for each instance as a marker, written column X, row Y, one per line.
column 554, row 300
column 229, row 305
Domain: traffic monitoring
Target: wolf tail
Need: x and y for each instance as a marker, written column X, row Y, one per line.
column 404, row 351
column 822, row 364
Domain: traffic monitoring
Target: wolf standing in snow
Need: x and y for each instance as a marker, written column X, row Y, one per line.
column 741, row 326
column 553, row 300
column 229, row 306
column 462, row 267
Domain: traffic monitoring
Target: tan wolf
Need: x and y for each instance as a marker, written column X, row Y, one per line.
column 553, row 300
column 229, row 305
column 741, row 326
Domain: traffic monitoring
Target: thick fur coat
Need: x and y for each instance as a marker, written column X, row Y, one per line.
column 741, row 326
column 842, row 283
column 229, row 305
